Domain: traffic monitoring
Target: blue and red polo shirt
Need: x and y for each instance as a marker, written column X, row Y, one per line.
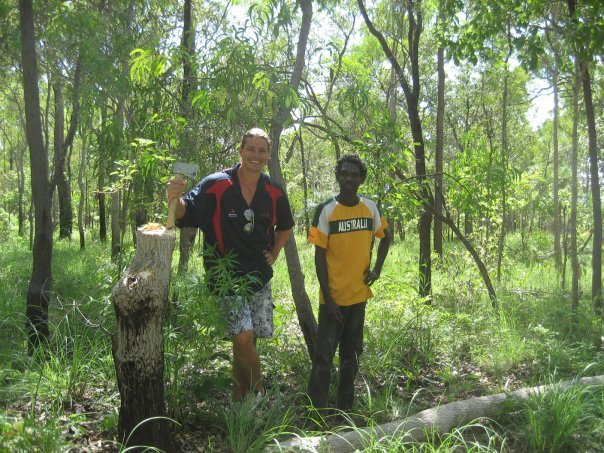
column 216, row 205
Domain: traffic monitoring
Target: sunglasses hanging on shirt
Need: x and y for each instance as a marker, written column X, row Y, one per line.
column 249, row 216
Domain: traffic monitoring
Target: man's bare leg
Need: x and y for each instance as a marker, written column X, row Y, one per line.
column 246, row 365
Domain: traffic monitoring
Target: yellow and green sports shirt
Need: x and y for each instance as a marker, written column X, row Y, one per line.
column 346, row 232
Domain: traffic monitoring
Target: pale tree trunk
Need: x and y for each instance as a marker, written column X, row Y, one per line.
column 306, row 317
column 412, row 93
column 421, row 426
column 41, row 276
column 140, row 300
column 440, row 114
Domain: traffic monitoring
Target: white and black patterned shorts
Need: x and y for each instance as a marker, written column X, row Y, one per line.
column 255, row 314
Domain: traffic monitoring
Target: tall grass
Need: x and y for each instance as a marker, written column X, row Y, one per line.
column 557, row 419
column 252, row 424
column 418, row 353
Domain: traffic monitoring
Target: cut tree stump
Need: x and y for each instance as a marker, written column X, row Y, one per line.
column 437, row 420
column 140, row 300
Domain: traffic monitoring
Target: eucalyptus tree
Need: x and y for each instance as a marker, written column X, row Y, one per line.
column 284, row 85
column 187, row 235
column 440, row 113
column 587, row 38
column 572, row 224
column 40, row 283
column 408, row 74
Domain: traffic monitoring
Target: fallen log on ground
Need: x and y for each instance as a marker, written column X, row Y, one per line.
column 437, row 420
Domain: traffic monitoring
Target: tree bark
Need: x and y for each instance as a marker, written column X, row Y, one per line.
column 187, row 235
column 83, row 194
column 115, row 224
column 101, row 162
column 440, row 114
column 140, row 300
column 306, row 317
column 412, row 93
column 59, row 178
column 584, row 59
column 574, row 190
column 556, row 194
column 504, row 159
column 41, row 276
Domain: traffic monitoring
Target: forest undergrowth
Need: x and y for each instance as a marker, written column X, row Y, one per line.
column 418, row 354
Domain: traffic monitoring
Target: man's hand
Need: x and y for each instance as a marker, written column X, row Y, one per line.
column 334, row 311
column 371, row 276
column 175, row 188
column 270, row 256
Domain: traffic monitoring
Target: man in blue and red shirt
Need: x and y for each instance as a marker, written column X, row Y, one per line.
column 243, row 214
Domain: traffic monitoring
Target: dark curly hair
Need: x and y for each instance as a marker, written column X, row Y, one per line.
column 352, row 159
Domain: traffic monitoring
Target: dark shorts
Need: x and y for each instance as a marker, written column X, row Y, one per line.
column 254, row 314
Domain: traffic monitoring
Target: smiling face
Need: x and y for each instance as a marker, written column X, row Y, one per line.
column 254, row 154
column 349, row 178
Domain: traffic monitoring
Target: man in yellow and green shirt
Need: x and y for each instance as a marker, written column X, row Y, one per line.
column 342, row 232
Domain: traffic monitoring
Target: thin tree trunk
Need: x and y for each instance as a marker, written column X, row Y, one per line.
column 187, row 235
column 489, row 190
column 83, row 194
column 101, row 175
column 412, row 93
column 584, row 60
column 306, row 317
column 596, row 258
column 556, row 220
column 504, row 161
column 115, row 224
column 574, row 190
column 304, row 183
column 41, row 276
column 59, row 178
column 440, row 113
column 21, row 185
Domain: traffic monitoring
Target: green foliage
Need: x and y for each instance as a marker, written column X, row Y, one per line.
column 550, row 420
column 415, row 354
column 252, row 424
column 21, row 436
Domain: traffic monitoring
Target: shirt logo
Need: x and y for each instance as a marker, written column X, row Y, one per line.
column 346, row 226
column 232, row 214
